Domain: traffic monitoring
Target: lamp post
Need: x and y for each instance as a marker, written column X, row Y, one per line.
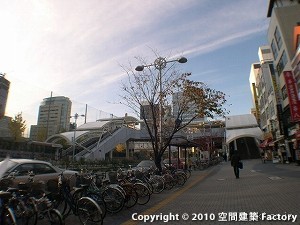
column 76, row 115
column 160, row 63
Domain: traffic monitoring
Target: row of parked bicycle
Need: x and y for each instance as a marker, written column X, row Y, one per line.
column 93, row 196
column 204, row 164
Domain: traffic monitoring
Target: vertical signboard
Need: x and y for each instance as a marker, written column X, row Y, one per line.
column 256, row 103
column 292, row 95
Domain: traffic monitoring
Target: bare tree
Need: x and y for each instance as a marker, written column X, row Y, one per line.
column 169, row 99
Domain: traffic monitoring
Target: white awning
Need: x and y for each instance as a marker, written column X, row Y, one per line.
column 244, row 132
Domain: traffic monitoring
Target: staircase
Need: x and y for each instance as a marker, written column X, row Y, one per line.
column 108, row 143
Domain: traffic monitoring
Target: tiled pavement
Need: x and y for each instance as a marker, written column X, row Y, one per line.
column 262, row 188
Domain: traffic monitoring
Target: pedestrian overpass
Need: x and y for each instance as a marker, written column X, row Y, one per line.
column 93, row 140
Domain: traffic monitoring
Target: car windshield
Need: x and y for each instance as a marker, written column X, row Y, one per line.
column 6, row 165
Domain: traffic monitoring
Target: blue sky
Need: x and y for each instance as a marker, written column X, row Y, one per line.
column 75, row 48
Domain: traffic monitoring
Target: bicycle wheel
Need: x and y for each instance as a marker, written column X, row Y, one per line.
column 131, row 195
column 157, row 184
column 169, row 184
column 8, row 216
column 179, row 179
column 145, row 182
column 188, row 173
column 31, row 212
column 25, row 212
column 88, row 211
column 182, row 173
column 99, row 200
column 143, row 193
column 55, row 217
column 114, row 199
column 60, row 204
column 93, row 195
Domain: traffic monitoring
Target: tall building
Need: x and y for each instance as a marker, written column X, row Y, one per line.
column 53, row 118
column 4, row 88
column 275, row 79
column 4, row 120
column 190, row 112
column 265, row 94
column 284, row 19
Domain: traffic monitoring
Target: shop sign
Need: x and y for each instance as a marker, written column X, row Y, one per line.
column 256, row 103
column 292, row 95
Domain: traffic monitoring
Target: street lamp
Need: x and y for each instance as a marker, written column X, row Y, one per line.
column 160, row 63
column 76, row 115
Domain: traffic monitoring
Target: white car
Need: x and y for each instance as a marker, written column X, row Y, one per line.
column 19, row 170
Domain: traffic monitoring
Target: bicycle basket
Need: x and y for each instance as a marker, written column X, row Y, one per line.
column 112, row 176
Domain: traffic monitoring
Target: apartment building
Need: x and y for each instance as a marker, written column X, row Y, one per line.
column 266, row 97
column 284, row 18
column 275, row 79
column 54, row 117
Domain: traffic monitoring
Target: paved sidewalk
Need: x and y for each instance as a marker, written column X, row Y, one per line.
column 262, row 188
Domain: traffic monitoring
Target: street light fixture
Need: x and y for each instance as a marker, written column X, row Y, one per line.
column 76, row 115
column 160, row 63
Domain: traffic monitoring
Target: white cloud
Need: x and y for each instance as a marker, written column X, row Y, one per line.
column 74, row 48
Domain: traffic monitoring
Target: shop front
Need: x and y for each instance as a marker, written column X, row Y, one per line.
column 266, row 148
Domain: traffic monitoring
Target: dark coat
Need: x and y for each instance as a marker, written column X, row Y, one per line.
column 235, row 158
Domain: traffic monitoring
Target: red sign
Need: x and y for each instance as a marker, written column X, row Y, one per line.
column 292, row 95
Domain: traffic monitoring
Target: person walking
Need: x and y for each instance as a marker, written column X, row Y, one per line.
column 235, row 159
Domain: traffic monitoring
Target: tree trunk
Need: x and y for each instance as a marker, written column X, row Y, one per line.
column 157, row 160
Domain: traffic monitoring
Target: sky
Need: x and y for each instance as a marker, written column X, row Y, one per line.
column 77, row 48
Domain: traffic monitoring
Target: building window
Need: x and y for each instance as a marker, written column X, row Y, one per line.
column 267, row 112
column 278, row 38
column 263, row 119
column 284, row 92
column 274, row 50
column 281, row 63
column 261, row 101
column 272, row 110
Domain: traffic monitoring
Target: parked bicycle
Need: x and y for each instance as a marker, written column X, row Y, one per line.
column 85, row 208
column 44, row 207
column 21, row 203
